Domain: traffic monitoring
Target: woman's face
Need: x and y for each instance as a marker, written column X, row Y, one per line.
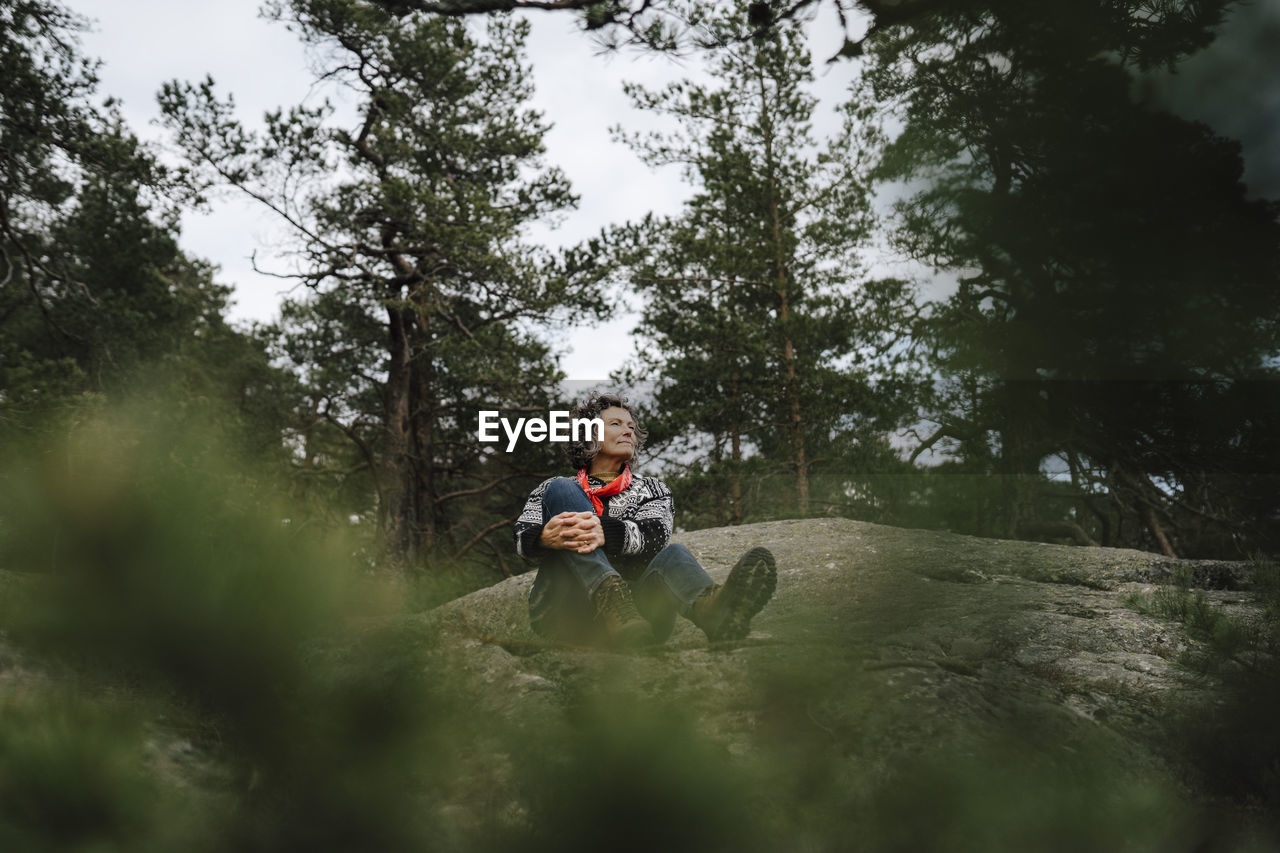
column 619, row 434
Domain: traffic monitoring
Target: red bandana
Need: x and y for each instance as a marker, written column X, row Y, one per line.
column 619, row 483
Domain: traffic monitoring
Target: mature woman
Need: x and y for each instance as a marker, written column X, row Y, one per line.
column 606, row 571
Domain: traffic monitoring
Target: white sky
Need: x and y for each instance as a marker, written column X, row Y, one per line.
column 144, row 43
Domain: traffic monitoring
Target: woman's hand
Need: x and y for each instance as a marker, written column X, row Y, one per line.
column 573, row 531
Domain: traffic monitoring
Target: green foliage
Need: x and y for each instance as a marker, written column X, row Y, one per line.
column 167, row 573
column 1224, row 638
column 70, row 777
column 1115, row 305
column 1002, row 798
column 95, row 295
column 1233, row 748
column 1265, row 581
column 644, row 777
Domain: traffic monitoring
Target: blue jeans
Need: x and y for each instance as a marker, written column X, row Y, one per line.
column 560, row 601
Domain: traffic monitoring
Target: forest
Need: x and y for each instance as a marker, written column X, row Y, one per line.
column 1099, row 369
column 1085, row 351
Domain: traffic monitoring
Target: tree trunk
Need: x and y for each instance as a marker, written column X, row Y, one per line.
column 735, row 486
column 401, row 512
column 410, row 419
column 798, row 455
column 735, row 457
column 303, row 486
column 1153, row 524
column 782, row 289
column 1019, row 456
column 423, row 419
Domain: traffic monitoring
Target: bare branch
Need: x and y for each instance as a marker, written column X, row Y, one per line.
column 475, row 540
column 945, row 431
column 462, row 493
column 364, row 449
column 33, row 265
column 457, row 322
column 9, row 266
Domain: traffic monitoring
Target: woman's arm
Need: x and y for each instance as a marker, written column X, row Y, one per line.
column 528, row 529
column 646, row 531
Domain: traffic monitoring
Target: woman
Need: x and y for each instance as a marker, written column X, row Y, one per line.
column 606, row 570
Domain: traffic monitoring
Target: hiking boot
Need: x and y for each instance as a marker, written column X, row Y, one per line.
column 616, row 614
column 724, row 612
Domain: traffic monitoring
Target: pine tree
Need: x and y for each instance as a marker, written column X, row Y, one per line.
column 407, row 226
column 760, row 327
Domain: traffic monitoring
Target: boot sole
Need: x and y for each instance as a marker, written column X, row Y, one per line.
column 747, row 590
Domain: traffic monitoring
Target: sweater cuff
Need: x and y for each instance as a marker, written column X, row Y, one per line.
column 531, row 541
column 615, row 535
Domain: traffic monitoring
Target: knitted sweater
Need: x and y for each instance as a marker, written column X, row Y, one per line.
column 637, row 523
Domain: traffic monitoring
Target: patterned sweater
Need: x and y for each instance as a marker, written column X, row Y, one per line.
column 637, row 523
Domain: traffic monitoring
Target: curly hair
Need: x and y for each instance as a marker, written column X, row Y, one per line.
column 581, row 453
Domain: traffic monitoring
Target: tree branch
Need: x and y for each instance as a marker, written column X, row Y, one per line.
column 364, row 450
column 462, row 493
column 475, row 540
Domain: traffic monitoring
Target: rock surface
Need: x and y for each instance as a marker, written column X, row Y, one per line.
column 882, row 643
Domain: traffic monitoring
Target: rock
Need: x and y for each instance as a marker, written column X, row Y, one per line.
column 880, row 644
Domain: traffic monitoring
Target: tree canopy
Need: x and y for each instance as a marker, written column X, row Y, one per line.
column 94, row 288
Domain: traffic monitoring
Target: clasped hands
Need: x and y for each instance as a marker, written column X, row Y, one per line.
column 573, row 531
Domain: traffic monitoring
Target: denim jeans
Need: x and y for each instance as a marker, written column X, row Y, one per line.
column 560, row 601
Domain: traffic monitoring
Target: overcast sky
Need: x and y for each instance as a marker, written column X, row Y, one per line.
column 143, row 43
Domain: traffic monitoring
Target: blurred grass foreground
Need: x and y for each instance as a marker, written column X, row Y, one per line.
column 180, row 669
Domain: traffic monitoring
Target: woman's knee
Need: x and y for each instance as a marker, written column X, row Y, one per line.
column 675, row 549
column 674, row 559
column 562, row 487
column 680, row 570
column 673, row 554
column 563, row 494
